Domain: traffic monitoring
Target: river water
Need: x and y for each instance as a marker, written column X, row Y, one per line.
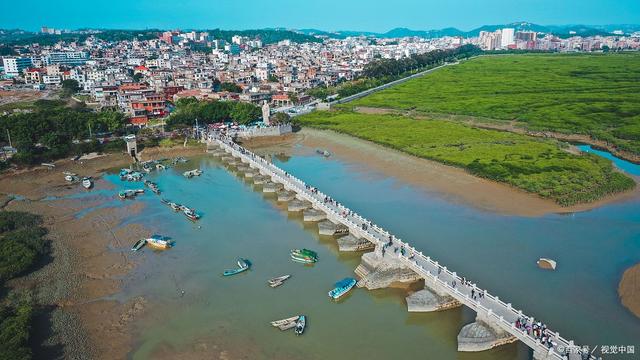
column 497, row 252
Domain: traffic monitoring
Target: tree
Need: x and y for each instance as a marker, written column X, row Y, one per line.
column 230, row 87
column 244, row 113
column 70, row 87
column 293, row 97
column 272, row 78
column 111, row 120
column 280, row 118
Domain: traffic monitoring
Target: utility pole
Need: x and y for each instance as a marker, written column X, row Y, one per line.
column 9, row 136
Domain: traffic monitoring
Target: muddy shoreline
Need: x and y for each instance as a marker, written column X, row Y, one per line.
column 90, row 257
column 451, row 183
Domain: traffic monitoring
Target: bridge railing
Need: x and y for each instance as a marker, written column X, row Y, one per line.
column 382, row 235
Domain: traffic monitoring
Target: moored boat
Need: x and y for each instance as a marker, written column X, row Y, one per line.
column 139, row 245
column 87, row 182
column 304, row 256
column 342, row 287
column 278, row 323
column 175, row 206
column 159, row 243
column 191, row 214
column 277, row 281
column 243, row 265
column 127, row 194
column 301, row 324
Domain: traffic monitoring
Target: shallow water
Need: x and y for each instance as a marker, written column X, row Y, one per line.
column 497, row 252
column 624, row 165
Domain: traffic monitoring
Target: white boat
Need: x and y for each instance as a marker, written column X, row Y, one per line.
column 87, row 182
column 70, row 178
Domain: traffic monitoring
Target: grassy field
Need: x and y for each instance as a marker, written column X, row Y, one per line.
column 596, row 95
column 535, row 165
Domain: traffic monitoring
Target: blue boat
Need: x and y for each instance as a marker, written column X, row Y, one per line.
column 342, row 287
column 243, row 265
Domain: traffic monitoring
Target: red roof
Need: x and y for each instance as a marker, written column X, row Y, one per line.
column 142, row 68
column 139, row 120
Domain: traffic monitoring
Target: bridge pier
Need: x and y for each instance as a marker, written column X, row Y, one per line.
column 313, row 215
column 352, row 243
column 483, row 334
column 259, row 179
column 250, row 173
column 296, row 205
column 377, row 271
column 286, row 195
column 432, row 298
column 326, row 227
column 271, row 187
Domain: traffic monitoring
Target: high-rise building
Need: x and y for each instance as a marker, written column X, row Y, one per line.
column 14, row 65
column 507, row 37
column 68, row 58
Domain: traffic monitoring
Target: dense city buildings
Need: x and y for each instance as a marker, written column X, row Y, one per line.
column 141, row 77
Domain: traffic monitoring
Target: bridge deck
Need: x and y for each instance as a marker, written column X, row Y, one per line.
column 491, row 307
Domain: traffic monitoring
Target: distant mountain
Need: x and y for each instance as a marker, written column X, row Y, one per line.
column 559, row 30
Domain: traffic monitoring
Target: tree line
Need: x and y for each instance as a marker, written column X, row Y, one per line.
column 208, row 112
column 22, row 246
column 49, row 130
column 416, row 62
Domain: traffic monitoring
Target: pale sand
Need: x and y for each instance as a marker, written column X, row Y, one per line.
column 451, row 183
column 629, row 289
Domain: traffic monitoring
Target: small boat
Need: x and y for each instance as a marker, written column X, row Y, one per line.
column 160, row 167
column 159, row 243
column 305, row 256
column 179, row 159
column 126, row 194
column 139, row 245
column 243, row 265
column 191, row 214
column 342, row 287
column 139, row 191
column 301, row 324
column 191, row 173
column 175, row 207
column 70, row 178
column 277, row 281
column 165, row 201
column 87, row 182
column 286, row 321
column 324, row 153
column 124, row 173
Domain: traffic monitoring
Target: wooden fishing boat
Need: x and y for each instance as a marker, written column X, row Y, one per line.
column 301, row 324
column 278, row 323
column 342, row 287
column 277, row 281
column 139, row 245
column 243, row 265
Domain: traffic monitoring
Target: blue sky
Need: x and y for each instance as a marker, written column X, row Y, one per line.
column 369, row 15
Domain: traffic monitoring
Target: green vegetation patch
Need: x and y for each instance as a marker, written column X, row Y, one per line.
column 538, row 166
column 595, row 94
column 22, row 243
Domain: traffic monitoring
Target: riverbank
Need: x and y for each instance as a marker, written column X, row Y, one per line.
column 90, row 256
column 451, row 183
column 629, row 289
